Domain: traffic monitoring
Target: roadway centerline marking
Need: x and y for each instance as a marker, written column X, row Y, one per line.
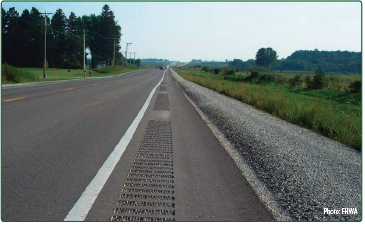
column 14, row 99
column 83, row 205
column 95, row 84
column 69, row 89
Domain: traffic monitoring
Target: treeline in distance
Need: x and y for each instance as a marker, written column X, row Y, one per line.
column 23, row 38
column 307, row 60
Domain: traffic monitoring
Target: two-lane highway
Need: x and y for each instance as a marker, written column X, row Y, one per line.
column 127, row 147
column 55, row 139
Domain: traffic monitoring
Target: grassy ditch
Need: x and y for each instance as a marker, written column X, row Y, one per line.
column 11, row 74
column 335, row 114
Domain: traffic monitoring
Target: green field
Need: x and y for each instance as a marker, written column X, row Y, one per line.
column 333, row 113
column 23, row 75
column 208, row 64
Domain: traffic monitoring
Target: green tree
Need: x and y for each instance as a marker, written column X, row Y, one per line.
column 355, row 87
column 59, row 23
column 138, row 63
column 74, row 39
column 266, row 57
column 10, row 36
column 109, row 29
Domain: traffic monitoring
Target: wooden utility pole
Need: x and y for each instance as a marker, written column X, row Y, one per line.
column 130, row 58
column 113, row 54
column 126, row 54
column 84, row 53
column 134, row 62
column 45, row 43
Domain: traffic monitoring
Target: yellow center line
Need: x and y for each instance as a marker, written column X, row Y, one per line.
column 14, row 99
column 68, row 89
column 95, row 84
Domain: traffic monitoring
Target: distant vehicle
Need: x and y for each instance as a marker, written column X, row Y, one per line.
column 162, row 68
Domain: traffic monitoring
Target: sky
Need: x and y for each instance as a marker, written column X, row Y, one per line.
column 224, row 30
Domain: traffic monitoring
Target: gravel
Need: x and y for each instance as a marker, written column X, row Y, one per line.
column 305, row 171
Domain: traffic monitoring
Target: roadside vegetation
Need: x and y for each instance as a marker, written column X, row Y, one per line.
column 327, row 104
column 11, row 74
column 154, row 63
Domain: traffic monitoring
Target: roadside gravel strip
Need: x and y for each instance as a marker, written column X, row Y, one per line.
column 304, row 172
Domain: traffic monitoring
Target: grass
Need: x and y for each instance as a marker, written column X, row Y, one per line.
column 208, row 64
column 332, row 113
column 12, row 74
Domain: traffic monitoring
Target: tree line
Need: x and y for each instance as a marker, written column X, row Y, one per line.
column 302, row 60
column 23, row 38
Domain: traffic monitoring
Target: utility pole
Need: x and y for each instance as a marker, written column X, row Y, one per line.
column 134, row 62
column 130, row 58
column 45, row 43
column 125, row 59
column 113, row 54
column 126, row 54
column 84, row 56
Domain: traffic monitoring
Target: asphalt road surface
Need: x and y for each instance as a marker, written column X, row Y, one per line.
column 59, row 139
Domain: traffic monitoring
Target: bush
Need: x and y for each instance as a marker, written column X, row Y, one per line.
column 11, row 74
column 266, row 78
column 296, row 81
column 318, row 81
column 228, row 71
column 205, row 68
column 108, row 69
column 355, row 86
column 216, row 71
column 308, row 81
column 253, row 78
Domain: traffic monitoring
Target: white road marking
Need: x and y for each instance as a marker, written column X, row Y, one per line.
column 85, row 202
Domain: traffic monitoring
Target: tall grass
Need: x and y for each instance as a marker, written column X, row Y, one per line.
column 10, row 74
column 332, row 119
column 109, row 69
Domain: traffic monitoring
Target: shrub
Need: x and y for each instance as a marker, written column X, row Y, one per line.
column 266, row 78
column 296, row 81
column 205, row 68
column 108, row 69
column 355, row 86
column 216, row 70
column 308, row 81
column 253, row 78
column 11, row 74
column 228, row 71
column 318, row 81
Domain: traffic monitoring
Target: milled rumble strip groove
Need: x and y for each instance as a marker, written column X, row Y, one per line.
column 88, row 197
column 147, row 194
column 14, row 99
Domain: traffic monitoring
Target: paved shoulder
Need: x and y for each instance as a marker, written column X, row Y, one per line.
column 175, row 169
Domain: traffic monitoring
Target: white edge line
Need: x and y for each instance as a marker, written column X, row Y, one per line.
column 85, row 202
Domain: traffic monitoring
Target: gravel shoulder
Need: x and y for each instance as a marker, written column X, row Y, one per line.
column 305, row 172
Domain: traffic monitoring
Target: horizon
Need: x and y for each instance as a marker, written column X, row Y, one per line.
column 182, row 31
